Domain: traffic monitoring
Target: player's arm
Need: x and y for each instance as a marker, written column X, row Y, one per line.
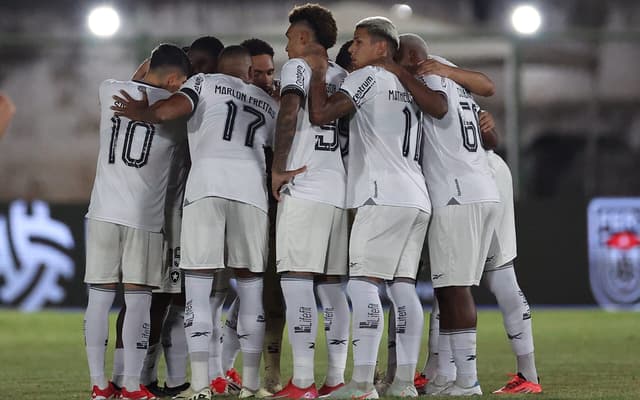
column 7, row 111
column 430, row 102
column 142, row 70
column 488, row 130
column 322, row 108
column 475, row 82
column 176, row 106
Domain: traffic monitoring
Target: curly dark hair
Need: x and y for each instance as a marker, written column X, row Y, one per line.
column 319, row 19
column 257, row 47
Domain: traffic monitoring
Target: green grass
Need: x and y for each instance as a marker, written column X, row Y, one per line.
column 581, row 354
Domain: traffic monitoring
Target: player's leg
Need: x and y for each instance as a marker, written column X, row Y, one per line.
column 216, row 301
column 174, row 343
column 302, row 238
column 459, row 241
column 409, row 315
column 333, row 298
column 247, row 245
column 202, row 244
column 149, row 376
column 230, row 342
column 500, row 278
column 102, row 275
column 118, row 353
column 141, row 272
column 274, row 315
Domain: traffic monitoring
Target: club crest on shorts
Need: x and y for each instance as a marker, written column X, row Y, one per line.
column 614, row 252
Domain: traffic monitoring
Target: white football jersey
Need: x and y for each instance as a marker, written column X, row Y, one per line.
column 317, row 147
column 134, row 161
column 385, row 141
column 455, row 163
column 232, row 122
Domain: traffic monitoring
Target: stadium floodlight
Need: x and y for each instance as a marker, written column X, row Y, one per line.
column 402, row 11
column 103, row 21
column 526, row 19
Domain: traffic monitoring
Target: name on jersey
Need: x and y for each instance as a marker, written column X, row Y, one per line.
column 462, row 92
column 398, row 95
column 261, row 104
column 363, row 89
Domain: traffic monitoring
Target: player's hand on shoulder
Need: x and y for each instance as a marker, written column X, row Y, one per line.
column 316, row 56
column 127, row 106
column 281, row 178
column 433, row 67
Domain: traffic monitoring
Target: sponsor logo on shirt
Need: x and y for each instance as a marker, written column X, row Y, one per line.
column 300, row 76
column 363, row 89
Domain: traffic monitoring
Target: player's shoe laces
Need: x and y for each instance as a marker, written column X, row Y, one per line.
column 219, row 386
column 400, row 389
column 518, row 384
column 141, row 394
column 326, row 390
column 175, row 390
column 420, row 382
column 110, row 392
column 437, row 385
column 291, row 391
column 455, row 390
column 234, row 381
column 189, row 394
column 246, row 393
column 352, row 391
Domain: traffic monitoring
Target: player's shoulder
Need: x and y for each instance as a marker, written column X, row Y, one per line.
column 297, row 63
column 336, row 69
column 442, row 60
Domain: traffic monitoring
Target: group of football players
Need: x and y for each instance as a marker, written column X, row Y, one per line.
column 374, row 156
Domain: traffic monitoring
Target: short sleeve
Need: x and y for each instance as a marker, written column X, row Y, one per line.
column 360, row 86
column 436, row 83
column 192, row 88
column 294, row 77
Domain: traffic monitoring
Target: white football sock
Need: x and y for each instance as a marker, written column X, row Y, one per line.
column 118, row 366
column 230, row 342
column 337, row 318
column 430, row 370
column 463, row 347
column 516, row 316
column 250, row 329
column 198, row 326
column 302, row 324
column 215, row 345
column 409, row 323
column 367, row 325
column 446, row 363
column 135, row 335
column 96, row 331
column 174, row 342
column 150, row 366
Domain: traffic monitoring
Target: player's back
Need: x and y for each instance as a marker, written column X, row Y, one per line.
column 384, row 142
column 316, row 147
column 455, row 163
column 232, row 123
column 133, row 161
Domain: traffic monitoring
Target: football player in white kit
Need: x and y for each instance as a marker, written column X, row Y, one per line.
column 126, row 217
column 499, row 276
column 309, row 180
column 465, row 206
column 229, row 124
column 386, row 186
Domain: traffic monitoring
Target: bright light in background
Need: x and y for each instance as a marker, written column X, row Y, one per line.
column 103, row 21
column 402, row 11
column 526, row 19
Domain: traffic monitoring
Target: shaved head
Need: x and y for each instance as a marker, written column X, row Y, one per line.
column 413, row 42
column 235, row 61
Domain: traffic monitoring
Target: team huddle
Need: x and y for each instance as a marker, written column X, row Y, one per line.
column 328, row 182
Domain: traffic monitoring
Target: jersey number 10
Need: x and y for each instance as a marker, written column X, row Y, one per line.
column 132, row 127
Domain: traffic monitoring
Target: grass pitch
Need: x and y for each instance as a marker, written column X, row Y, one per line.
column 581, row 354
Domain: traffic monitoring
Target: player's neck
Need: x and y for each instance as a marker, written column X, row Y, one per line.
column 152, row 79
